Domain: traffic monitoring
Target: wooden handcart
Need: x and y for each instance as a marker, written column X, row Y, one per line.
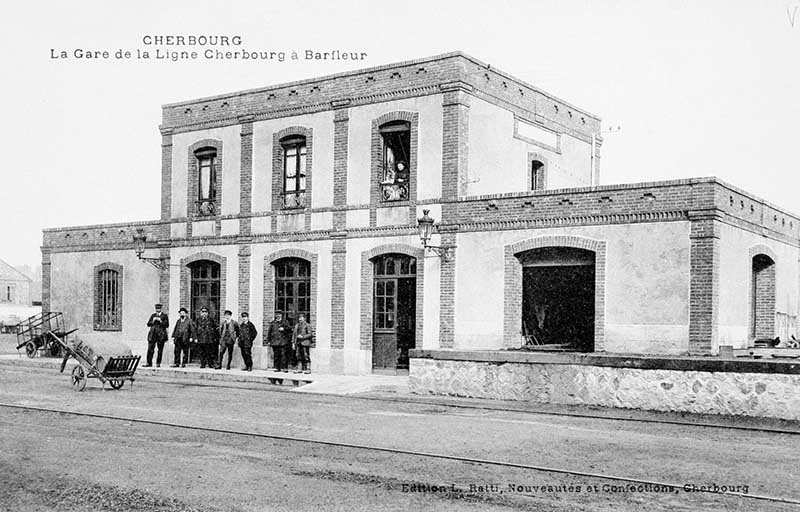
column 33, row 334
column 115, row 371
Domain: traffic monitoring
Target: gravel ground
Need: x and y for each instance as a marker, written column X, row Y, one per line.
column 53, row 462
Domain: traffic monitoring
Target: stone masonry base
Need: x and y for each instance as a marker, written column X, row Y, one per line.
column 749, row 394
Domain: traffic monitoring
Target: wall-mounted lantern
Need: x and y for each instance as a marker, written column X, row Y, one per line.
column 139, row 241
column 426, row 227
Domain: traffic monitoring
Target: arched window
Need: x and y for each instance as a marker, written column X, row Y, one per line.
column 537, row 175
column 293, row 288
column 396, row 138
column 206, row 180
column 108, row 298
column 294, row 171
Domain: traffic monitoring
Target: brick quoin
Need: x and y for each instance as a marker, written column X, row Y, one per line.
column 704, row 282
column 166, row 174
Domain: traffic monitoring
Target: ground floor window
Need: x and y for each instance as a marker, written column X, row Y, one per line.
column 293, row 288
column 205, row 288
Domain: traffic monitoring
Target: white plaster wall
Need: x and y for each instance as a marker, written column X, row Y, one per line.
column 231, row 161
column 429, row 147
column 647, row 285
column 735, row 282
column 321, row 160
column 498, row 162
column 72, row 292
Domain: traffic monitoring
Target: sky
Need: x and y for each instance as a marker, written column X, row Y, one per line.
column 706, row 88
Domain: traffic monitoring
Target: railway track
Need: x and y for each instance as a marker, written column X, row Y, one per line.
column 412, row 453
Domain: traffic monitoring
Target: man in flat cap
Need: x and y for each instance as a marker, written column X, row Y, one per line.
column 279, row 337
column 157, row 335
column 228, row 334
column 247, row 333
column 207, row 337
column 182, row 336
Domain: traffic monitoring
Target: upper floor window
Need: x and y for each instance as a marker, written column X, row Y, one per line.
column 396, row 138
column 207, row 180
column 8, row 296
column 294, row 171
column 108, row 298
column 537, row 175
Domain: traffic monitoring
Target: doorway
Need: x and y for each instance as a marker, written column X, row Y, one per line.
column 762, row 298
column 558, row 298
column 394, row 311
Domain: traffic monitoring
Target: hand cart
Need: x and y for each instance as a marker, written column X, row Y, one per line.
column 32, row 334
column 115, row 372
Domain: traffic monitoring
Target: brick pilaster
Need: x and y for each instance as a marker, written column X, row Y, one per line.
column 447, row 291
column 246, row 177
column 341, row 129
column 46, row 280
column 163, row 279
column 704, row 281
column 339, row 255
column 244, row 278
column 166, row 174
column 455, row 137
column 455, row 152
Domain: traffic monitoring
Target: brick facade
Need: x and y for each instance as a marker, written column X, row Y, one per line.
column 704, row 204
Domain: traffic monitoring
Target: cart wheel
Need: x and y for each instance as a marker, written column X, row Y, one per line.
column 55, row 349
column 30, row 349
column 116, row 383
column 78, row 378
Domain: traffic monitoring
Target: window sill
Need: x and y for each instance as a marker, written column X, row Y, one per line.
column 107, row 329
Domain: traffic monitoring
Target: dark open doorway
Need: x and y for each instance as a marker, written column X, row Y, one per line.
column 558, row 298
column 394, row 311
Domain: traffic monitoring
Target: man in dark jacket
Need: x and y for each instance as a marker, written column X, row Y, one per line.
column 279, row 337
column 247, row 333
column 207, row 337
column 301, row 341
column 157, row 336
column 182, row 336
column 228, row 334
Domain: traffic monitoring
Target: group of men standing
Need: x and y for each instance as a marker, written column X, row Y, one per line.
column 213, row 341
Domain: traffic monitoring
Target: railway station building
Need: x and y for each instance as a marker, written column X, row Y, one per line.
column 307, row 197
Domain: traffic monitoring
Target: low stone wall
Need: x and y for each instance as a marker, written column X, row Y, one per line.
column 568, row 382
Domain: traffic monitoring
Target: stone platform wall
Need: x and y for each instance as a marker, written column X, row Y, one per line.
column 749, row 394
